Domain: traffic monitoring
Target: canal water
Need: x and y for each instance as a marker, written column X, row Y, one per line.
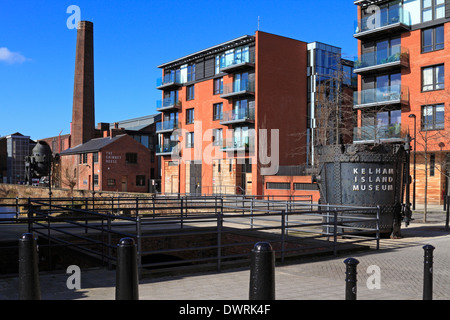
column 7, row 212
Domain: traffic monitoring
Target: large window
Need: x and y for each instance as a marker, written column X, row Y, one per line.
column 217, row 137
column 218, row 111
column 218, row 86
column 432, row 10
column 191, row 72
column 433, row 78
column 433, row 117
column 189, row 140
column 189, row 116
column 190, row 92
column 131, row 157
column 432, row 39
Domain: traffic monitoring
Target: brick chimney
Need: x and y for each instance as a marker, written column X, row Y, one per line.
column 83, row 112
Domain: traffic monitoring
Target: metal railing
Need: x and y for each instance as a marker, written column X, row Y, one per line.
column 204, row 231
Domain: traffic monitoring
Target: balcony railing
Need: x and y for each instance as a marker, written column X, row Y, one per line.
column 167, row 126
column 238, row 88
column 382, row 59
column 393, row 132
column 245, row 61
column 166, row 149
column 167, row 104
column 236, row 144
column 172, row 79
column 381, row 96
column 239, row 115
column 382, row 21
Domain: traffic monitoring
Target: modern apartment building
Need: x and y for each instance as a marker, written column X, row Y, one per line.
column 403, row 72
column 235, row 113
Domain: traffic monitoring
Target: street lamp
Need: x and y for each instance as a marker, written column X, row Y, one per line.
column 414, row 155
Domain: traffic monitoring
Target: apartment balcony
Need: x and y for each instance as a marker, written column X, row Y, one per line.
column 168, row 104
column 169, row 81
column 166, row 149
column 380, row 97
column 237, row 145
column 167, row 126
column 384, row 22
column 239, row 65
column 238, row 89
column 371, row 134
column 382, row 61
column 239, row 116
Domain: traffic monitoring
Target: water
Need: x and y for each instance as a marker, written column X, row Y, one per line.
column 7, row 212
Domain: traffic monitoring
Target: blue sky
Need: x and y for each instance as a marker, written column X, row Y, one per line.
column 131, row 38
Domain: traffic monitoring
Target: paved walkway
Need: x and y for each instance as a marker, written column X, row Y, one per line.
column 400, row 263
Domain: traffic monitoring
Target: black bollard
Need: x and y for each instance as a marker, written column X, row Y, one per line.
column 428, row 273
column 262, row 272
column 351, row 278
column 29, row 286
column 127, row 281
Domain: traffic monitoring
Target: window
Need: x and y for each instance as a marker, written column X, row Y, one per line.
column 140, row 181
column 190, row 93
column 433, row 78
column 432, row 39
column 131, row 158
column 218, row 86
column 189, row 140
column 191, row 72
column 432, row 10
column 83, row 158
column 217, row 111
column 432, row 164
column 95, row 179
column 217, row 137
column 189, row 116
column 278, row 185
column 95, row 157
column 111, row 182
column 433, row 117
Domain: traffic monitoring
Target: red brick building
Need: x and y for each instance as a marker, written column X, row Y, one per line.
column 114, row 163
column 404, row 76
column 233, row 114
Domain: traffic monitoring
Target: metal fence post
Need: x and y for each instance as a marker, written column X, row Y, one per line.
column 127, row 285
column 428, row 273
column 29, row 286
column 262, row 272
column 351, row 278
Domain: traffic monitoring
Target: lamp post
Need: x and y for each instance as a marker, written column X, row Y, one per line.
column 414, row 161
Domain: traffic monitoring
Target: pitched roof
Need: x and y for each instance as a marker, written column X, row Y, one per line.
column 92, row 145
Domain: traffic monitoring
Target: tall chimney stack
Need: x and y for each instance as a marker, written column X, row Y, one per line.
column 83, row 112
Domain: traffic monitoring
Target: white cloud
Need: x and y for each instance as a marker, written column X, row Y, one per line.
column 11, row 57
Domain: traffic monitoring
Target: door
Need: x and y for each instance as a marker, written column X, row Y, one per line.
column 195, row 186
column 124, row 183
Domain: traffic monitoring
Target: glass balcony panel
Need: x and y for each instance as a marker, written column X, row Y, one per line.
column 167, row 126
column 166, row 148
column 383, row 95
column 382, row 19
column 240, row 114
column 172, row 78
column 237, row 87
column 382, row 57
column 168, row 103
column 380, row 132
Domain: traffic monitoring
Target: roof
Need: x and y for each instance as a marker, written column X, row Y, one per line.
column 92, row 145
column 210, row 50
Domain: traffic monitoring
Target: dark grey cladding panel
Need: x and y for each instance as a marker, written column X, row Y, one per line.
column 447, row 9
column 199, row 70
column 209, row 67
